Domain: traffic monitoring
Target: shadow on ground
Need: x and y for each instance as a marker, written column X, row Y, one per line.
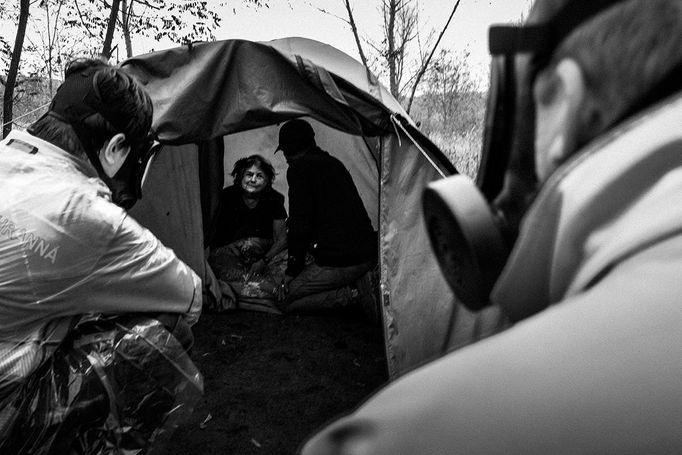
column 270, row 380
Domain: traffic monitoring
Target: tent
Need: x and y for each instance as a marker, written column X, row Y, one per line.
column 215, row 102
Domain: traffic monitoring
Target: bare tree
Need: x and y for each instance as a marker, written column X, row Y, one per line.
column 448, row 87
column 125, row 26
column 51, row 38
column 181, row 22
column 451, row 109
column 354, row 29
column 401, row 28
column 111, row 28
column 75, row 27
column 427, row 61
column 14, row 68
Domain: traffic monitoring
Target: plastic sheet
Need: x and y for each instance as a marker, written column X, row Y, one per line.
column 231, row 264
column 114, row 386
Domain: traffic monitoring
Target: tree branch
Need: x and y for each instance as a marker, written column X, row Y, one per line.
column 80, row 16
column 146, row 3
column 8, row 96
column 426, row 62
column 106, row 48
column 351, row 21
column 329, row 13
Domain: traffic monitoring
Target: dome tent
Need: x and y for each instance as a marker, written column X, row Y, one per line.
column 215, row 102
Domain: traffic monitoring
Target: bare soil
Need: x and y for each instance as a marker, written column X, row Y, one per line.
column 271, row 381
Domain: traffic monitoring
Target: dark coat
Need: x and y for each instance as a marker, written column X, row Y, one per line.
column 326, row 214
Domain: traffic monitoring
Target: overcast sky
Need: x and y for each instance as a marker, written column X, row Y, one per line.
column 467, row 31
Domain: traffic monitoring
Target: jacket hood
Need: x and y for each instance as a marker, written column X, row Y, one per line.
column 619, row 196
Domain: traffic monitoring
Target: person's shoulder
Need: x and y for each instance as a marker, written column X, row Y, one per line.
column 328, row 162
column 278, row 198
column 231, row 192
column 314, row 159
column 92, row 224
column 87, row 201
column 101, row 212
column 272, row 196
column 323, row 156
column 298, row 169
column 276, row 195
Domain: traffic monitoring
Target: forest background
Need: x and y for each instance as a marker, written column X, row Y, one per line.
column 442, row 84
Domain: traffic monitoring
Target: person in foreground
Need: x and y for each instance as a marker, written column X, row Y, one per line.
column 327, row 219
column 592, row 364
column 70, row 257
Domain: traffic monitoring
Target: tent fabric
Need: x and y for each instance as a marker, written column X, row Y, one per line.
column 242, row 90
column 191, row 104
column 173, row 211
column 419, row 306
column 211, row 176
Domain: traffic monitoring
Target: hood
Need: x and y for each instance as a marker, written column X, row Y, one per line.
column 619, row 196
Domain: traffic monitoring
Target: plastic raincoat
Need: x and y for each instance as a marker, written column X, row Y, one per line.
column 68, row 254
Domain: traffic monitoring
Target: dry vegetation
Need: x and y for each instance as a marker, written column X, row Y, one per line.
column 459, row 132
column 31, row 98
column 459, row 138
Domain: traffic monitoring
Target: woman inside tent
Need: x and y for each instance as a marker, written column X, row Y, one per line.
column 246, row 250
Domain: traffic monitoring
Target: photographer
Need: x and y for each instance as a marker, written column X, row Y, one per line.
column 593, row 279
column 71, row 257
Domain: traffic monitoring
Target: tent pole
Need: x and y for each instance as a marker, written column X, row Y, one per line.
column 395, row 122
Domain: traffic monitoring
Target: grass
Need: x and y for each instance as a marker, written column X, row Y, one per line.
column 463, row 150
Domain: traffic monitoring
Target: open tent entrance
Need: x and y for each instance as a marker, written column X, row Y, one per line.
column 183, row 216
column 357, row 155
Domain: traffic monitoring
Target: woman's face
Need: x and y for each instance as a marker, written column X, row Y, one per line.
column 254, row 180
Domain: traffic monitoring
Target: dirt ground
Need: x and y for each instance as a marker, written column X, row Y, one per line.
column 271, row 380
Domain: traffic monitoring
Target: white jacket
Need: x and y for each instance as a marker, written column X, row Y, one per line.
column 66, row 251
column 600, row 370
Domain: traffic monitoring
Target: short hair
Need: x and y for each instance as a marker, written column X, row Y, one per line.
column 260, row 162
column 124, row 99
column 623, row 52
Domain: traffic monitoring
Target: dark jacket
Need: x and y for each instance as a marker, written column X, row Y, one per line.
column 236, row 221
column 326, row 214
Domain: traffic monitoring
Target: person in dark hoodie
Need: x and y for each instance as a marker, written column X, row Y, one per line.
column 328, row 224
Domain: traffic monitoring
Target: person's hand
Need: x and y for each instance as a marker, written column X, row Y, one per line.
column 282, row 291
column 283, row 288
column 192, row 316
column 258, row 267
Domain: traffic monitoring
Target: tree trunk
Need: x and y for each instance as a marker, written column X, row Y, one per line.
column 390, row 9
column 14, row 68
column 125, row 25
column 111, row 27
column 51, row 39
column 49, row 47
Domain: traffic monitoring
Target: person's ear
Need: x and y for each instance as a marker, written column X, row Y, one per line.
column 561, row 109
column 113, row 153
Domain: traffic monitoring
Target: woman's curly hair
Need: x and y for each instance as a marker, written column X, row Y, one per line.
column 261, row 163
